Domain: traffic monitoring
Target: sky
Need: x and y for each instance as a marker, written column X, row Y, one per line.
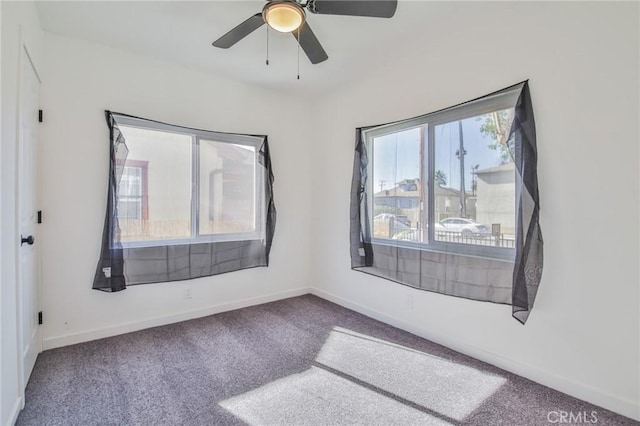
column 397, row 156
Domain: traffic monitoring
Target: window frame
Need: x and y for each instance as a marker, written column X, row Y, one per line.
column 428, row 123
column 196, row 136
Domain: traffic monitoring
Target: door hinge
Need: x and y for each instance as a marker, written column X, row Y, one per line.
column 39, row 216
column 40, row 116
column 40, row 318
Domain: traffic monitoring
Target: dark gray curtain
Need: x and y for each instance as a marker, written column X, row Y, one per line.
column 500, row 280
column 360, row 238
column 110, row 271
column 120, row 265
column 527, row 270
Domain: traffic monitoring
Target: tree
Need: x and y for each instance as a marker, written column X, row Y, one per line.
column 440, row 177
column 497, row 126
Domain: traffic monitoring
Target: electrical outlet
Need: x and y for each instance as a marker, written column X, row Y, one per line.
column 187, row 293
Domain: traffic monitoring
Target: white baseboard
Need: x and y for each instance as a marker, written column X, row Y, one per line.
column 563, row 384
column 15, row 410
column 85, row 336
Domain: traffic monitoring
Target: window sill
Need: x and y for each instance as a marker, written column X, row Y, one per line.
column 192, row 241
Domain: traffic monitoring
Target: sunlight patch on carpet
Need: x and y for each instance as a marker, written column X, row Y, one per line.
column 442, row 386
column 318, row 397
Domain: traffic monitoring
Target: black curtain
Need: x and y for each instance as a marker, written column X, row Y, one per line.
column 527, row 271
column 110, row 271
column 121, row 265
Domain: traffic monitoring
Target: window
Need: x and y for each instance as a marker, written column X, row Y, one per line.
column 451, row 175
column 181, row 185
column 183, row 203
column 448, row 202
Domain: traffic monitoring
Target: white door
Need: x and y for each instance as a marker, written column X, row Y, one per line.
column 28, row 286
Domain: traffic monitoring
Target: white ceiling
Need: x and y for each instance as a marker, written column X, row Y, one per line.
column 182, row 32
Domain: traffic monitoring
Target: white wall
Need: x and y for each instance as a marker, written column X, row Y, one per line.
column 82, row 81
column 20, row 26
column 582, row 61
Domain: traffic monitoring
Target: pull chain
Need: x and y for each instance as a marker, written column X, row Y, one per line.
column 267, row 61
column 298, row 53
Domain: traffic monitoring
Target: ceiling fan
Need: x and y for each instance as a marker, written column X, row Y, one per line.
column 288, row 16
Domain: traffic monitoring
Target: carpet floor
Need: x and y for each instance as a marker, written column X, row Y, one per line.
column 299, row 361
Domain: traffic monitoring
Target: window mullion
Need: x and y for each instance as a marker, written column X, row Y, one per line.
column 259, row 212
column 195, row 187
column 429, row 144
column 370, row 189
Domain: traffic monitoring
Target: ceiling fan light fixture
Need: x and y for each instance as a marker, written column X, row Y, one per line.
column 283, row 16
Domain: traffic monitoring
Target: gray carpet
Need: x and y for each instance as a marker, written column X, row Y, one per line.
column 300, row 361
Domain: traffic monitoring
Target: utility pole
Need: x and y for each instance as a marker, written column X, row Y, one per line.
column 460, row 154
column 474, row 179
column 382, row 182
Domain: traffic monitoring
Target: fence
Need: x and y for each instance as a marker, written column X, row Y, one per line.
column 501, row 240
column 420, row 235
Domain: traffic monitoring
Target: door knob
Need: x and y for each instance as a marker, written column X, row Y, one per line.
column 29, row 240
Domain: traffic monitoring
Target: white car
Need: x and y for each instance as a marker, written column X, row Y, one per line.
column 465, row 227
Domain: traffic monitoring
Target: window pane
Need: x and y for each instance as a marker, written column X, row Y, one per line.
column 131, row 181
column 475, row 181
column 161, row 200
column 129, row 208
column 227, row 188
column 397, row 198
column 130, row 194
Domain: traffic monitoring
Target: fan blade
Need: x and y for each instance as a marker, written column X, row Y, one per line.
column 240, row 32
column 310, row 44
column 372, row 8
